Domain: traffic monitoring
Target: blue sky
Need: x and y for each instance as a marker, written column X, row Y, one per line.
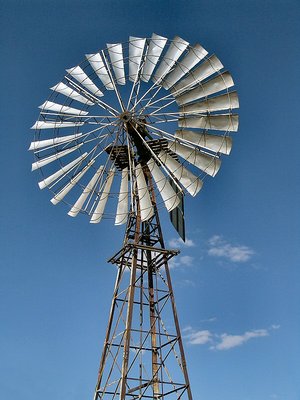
column 236, row 280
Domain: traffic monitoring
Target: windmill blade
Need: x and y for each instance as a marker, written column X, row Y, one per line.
column 195, row 55
column 185, row 177
column 155, row 48
column 39, row 144
column 55, row 124
column 166, row 191
column 116, row 57
column 146, row 207
column 99, row 210
column 219, row 122
column 65, row 190
column 136, row 48
column 122, row 209
column 60, row 108
column 176, row 48
column 66, row 168
column 218, row 144
column 40, row 163
column 223, row 102
column 98, row 66
column 206, row 69
column 81, row 77
column 208, row 164
column 87, row 190
column 69, row 92
column 221, row 82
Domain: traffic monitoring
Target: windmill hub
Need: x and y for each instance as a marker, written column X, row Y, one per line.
column 126, row 116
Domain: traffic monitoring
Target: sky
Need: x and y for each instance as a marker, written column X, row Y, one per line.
column 236, row 280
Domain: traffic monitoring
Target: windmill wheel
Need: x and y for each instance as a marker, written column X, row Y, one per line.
column 148, row 109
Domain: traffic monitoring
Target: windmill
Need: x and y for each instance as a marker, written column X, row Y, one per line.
column 130, row 130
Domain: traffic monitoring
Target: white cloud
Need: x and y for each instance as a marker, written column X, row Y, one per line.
column 178, row 242
column 218, row 247
column 199, row 337
column 229, row 341
column 225, row 341
column 181, row 261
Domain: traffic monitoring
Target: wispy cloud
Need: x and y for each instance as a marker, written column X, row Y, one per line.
column 178, row 242
column 224, row 341
column 181, row 261
column 229, row 341
column 219, row 247
column 200, row 337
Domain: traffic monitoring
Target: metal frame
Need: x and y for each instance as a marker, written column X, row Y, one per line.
column 142, row 357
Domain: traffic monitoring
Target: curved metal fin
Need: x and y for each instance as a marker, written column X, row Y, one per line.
column 81, row 77
column 221, row 82
column 146, row 207
column 55, row 124
column 38, row 144
column 136, row 48
column 155, row 48
column 60, row 108
column 227, row 101
column 219, row 122
column 98, row 66
column 194, row 56
column 206, row 69
column 65, row 190
column 99, row 210
column 208, row 164
column 166, row 191
column 218, row 144
column 62, row 88
column 62, row 171
column 116, row 57
column 87, row 190
column 176, row 48
column 44, row 161
column 122, row 208
column 185, row 177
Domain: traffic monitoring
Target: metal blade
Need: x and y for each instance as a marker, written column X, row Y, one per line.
column 194, row 56
column 166, row 191
column 218, row 144
column 122, row 209
column 81, row 77
column 38, row 144
column 136, row 48
column 40, row 163
column 116, row 58
column 98, row 66
column 223, row 102
column 176, row 48
column 220, row 122
column 146, row 207
column 208, row 164
column 50, row 106
column 54, row 124
column 47, row 181
column 217, row 84
column 87, row 190
column 69, row 92
column 99, row 210
column 185, row 177
column 206, row 69
column 65, row 190
column 155, row 48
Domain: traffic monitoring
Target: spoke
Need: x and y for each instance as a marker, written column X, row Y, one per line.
column 95, row 99
column 144, row 97
column 157, row 159
column 162, row 107
column 113, row 82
